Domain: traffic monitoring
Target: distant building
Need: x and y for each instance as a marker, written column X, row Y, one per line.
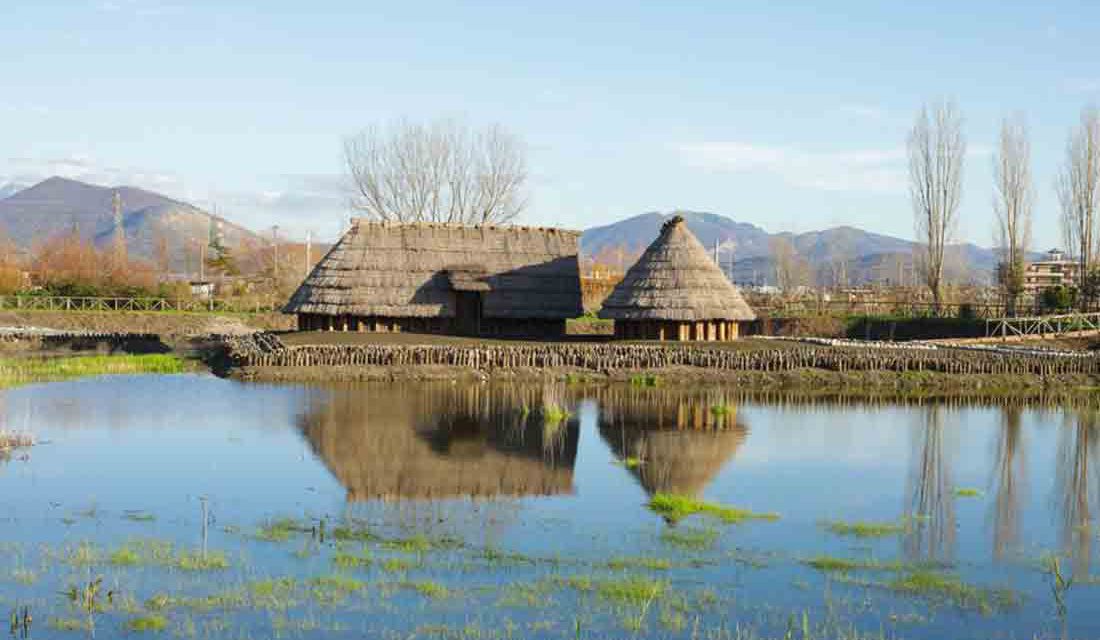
column 1056, row 270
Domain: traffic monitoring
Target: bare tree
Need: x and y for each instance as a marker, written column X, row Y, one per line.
column 936, row 151
column 441, row 172
column 839, row 254
column 1013, row 199
column 1078, row 188
column 791, row 271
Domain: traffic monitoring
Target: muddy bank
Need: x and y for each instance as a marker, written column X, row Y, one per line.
column 806, row 382
column 171, row 325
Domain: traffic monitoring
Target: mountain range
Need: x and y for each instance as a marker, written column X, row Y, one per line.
column 745, row 250
column 154, row 224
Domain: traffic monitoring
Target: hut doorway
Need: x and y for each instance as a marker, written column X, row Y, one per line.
column 468, row 312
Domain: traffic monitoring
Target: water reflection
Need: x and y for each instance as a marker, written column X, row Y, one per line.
column 931, row 506
column 443, row 440
column 671, row 441
column 1008, row 482
column 1076, row 476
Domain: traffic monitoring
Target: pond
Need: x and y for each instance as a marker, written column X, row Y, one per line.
column 191, row 506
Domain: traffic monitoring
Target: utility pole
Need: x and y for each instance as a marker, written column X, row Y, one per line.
column 309, row 250
column 275, row 247
column 120, row 232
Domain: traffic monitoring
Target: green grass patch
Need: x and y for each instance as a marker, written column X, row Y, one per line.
column 24, row 370
column 153, row 622
column 199, row 561
column 967, row 492
column 429, row 589
column 639, row 562
column 70, row 624
column 645, row 380
column 280, row 529
column 345, row 560
column 629, row 590
column 720, row 410
column 689, row 538
column 863, row 529
column 950, row 589
column 675, row 508
column 830, row 564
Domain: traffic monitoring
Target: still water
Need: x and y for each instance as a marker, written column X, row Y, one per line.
column 192, row 506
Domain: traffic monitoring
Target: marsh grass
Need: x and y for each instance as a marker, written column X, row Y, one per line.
column 429, row 589
column 639, row 562
column 645, row 380
column 153, row 622
column 967, row 492
column 720, row 410
column 156, row 553
column 280, row 529
column 828, row 564
column 690, row 538
column 675, row 508
column 951, row 589
column 23, row 370
column 861, row 529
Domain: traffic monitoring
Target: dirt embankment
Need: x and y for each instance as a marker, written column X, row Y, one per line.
column 172, row 325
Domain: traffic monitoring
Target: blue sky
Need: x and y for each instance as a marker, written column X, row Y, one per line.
column 787, row 115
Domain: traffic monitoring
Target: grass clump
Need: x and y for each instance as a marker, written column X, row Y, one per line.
column 865, row 529
column 631, row 590
column 690, row 539
column 639, row 562
column 675, row 508
column 345, row 560
column 948, row 588
column 967, row 492
column 280, row 530
column 200, row 561
column 429, row 589
column 399, row 565
column 720, row 410
column 153, row 622
column 12, row 440
column 832, row 564
column 645, row 380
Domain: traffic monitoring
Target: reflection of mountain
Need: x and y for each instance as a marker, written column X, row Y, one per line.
column 442, row 441
column 679, row 440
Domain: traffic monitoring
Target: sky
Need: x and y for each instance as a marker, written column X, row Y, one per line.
column 792, row 116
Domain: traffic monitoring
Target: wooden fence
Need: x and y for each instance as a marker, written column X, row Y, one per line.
column 266, row 350
column 1040, row 325
column 75, row 303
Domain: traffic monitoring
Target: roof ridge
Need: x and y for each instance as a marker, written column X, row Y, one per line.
column 364, row 222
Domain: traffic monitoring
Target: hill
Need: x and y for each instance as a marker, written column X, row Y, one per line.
column 155, row 226
column 863, row 256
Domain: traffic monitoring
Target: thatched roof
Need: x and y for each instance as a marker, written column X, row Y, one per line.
column 675, row 279
column 412, row 270
column 440, row 441
column 680, row 438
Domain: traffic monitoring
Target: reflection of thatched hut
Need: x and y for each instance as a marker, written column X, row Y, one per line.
column 677, row 442
column 676, row 292
column 441, row 441
column 442, row 278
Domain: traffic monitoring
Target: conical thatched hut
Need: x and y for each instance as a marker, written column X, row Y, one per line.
column 443, row 278
column 676, row 292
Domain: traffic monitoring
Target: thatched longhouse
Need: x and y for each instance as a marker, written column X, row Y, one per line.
column 442, row 278
column 676, row 292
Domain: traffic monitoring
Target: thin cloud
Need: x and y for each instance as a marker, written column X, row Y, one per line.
column 869, row 170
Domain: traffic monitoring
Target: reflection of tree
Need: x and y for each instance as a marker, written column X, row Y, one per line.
column 1008, row 481
column 676, row 441
column 1077, row 470
column 931, row 510
column 442, row 441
